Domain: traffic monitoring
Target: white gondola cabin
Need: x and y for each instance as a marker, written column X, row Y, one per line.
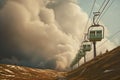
column 86, row 46
column 96, row 33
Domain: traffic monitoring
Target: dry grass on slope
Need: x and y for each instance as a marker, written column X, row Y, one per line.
column 12, row 72
column 103, row 67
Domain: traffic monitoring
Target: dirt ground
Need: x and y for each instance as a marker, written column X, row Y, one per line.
column 103, row 67
column 12, row 72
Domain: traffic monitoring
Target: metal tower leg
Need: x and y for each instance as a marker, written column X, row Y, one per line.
column 94, row 45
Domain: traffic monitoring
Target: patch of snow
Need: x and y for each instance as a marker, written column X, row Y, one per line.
column 33, row 69
column 106, row 71
column 16, row 67
column 11, row 66
column 9, row 71
column 8, row 75
column 22, row 69
column 26, row 73
column 39, row 70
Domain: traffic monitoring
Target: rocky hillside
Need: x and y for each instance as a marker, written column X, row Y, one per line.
column 12, row 72
column 103, row 67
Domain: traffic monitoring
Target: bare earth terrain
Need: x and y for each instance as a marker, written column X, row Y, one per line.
column 103, row 67
column 12, row 72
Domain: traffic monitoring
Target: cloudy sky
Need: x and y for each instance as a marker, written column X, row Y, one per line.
column 48, row 33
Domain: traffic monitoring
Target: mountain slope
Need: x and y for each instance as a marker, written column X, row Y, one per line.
column 12, row 72
column 103, row 67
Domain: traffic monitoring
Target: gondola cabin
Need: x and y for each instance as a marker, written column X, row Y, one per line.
column 96, row 33
column 86, row 46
